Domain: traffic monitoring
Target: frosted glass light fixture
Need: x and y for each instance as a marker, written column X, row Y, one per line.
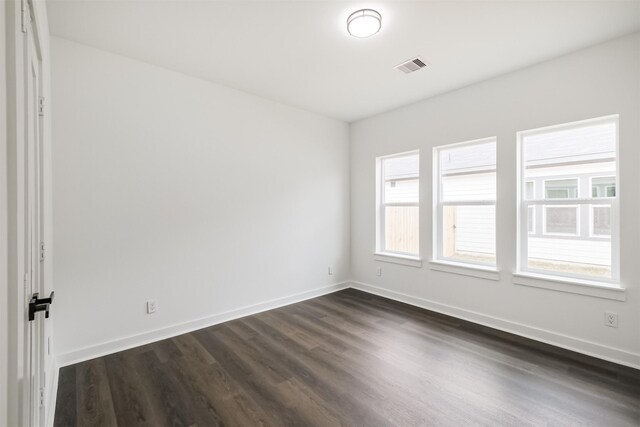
column 364, row 23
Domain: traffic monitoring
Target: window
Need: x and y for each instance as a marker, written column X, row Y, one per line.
column 561, row 188
column 575, row 165
column 603, row 186
column 561, row 220
column 601, row 220
column 465, row 202
column 398, row 204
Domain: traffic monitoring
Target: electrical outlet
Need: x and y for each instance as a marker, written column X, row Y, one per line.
column 611, row 319
column 330, row 270
column 378, row 271
column 152, row 306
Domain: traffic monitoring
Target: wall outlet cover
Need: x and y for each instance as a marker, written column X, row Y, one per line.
column 152, row 306
column 611, row 319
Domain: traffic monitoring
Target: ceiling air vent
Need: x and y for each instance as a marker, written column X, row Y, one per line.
column 411, row 65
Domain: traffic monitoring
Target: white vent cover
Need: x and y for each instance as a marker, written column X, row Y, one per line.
column 411, row 65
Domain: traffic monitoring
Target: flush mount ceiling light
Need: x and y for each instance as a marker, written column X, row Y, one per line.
column 364, row 23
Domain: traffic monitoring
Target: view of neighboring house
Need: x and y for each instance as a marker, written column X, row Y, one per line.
column 569, row 178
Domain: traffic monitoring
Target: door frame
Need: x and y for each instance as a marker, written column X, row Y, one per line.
column 18, row 402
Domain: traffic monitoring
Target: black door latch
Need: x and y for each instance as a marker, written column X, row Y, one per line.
column 42, row 304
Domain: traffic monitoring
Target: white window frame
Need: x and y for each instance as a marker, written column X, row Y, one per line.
column 438, row 207
column 381, row 205
column 523, row 204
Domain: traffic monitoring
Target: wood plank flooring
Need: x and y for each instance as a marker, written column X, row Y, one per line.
column 348, row 358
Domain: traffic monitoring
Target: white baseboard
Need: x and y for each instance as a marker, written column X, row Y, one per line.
column 589, row 348
column 125, row 343
column 578, row 345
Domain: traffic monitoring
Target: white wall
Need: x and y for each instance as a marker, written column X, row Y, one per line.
column 597, row 81
column 167, row 187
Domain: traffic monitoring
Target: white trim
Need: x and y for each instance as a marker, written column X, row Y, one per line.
column 575, row 286
column 53, row 396
column 612, row 354
column 474, row 270
column 411, row 261
column 119, row 344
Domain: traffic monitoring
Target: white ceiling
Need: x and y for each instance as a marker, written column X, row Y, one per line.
column 299, row 52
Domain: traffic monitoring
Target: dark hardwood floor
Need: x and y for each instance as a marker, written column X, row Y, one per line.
column 348, row 358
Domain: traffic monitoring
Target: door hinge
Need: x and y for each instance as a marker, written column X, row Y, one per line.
column 25, row 15
column 41, row 251
column 41, row 397
column 41, row 106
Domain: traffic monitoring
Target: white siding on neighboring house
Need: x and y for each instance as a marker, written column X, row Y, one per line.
column 475, row 229
column 574, row 250
column 477, row 186
column 571, row 145
column 475, row 225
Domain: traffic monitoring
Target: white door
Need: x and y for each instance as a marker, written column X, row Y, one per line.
column 36, row 354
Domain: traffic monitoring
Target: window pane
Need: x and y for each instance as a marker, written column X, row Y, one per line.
column 468, row 187
column 468, row 172
column 561, row 219
column 404, row 191
column 573, row 144
column 570, row 256
column 401, row 232
column 603, row 187
column 468, row 158
column 561, row 189
column 601, row 220
column 468, row 233
column 401, row 167
column 576, row 161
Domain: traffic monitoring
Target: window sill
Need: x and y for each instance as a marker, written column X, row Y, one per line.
column 490, row 273
column 574, row 286
column 411, row 261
